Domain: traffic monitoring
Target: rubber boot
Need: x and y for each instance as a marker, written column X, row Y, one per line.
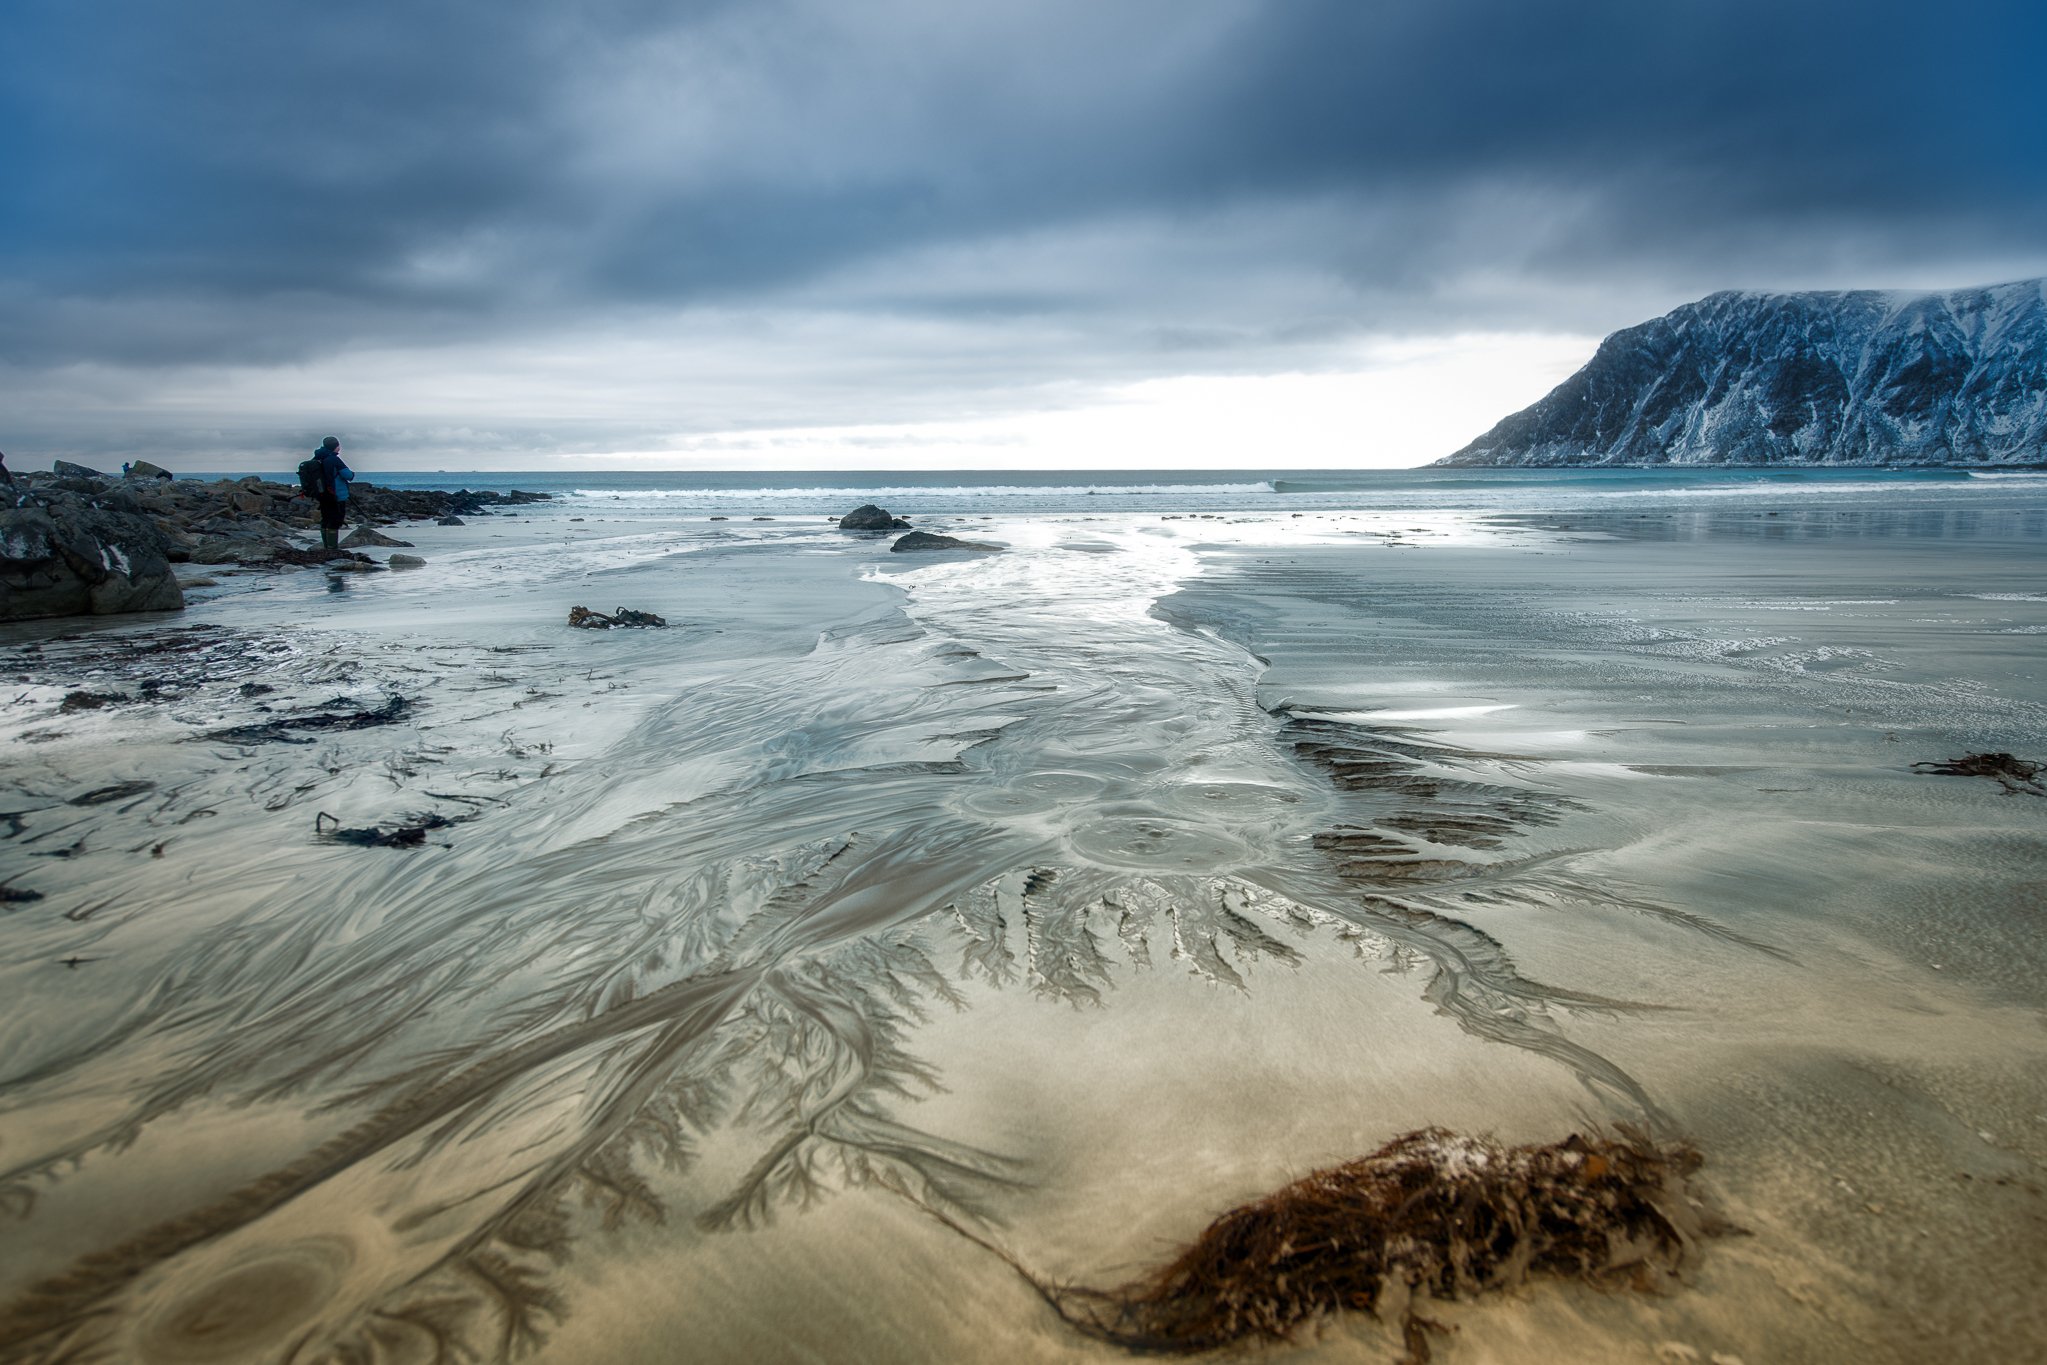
column 330, row 540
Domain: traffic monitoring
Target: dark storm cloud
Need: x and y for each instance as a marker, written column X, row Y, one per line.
column 257, row 183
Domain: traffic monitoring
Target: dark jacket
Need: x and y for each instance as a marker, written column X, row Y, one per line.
column 337, row 475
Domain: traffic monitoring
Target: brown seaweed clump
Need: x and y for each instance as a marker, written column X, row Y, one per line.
column 582, row 618
column 2015, row 774
column 1432, row 1215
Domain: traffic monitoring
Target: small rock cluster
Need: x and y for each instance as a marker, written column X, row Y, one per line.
column 869, row 517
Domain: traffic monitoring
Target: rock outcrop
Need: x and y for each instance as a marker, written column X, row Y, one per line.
column 1864, row 377
column 69, row 554
column 363, row 538
column 925, row 540
column 871, row 518
column 52, row 537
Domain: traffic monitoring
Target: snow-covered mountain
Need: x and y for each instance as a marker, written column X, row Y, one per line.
column 1867, row 377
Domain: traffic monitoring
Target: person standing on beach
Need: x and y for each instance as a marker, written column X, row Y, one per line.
column 334, row 480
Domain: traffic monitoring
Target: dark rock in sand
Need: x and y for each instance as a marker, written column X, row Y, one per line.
column 871, row 518
column 407, row 561
column 70, row 557
column 449, row 521
column 924, row 540
column 362, row 537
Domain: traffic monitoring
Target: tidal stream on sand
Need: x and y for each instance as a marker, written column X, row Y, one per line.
column 1072, row 893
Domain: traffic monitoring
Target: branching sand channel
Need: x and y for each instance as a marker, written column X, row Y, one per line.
column 678, row 969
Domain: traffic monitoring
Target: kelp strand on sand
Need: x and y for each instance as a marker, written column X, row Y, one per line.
column 1431, row 1215
column 290, row 729
column 2014, row 774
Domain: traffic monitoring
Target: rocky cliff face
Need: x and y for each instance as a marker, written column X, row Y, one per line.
column 1865, row 377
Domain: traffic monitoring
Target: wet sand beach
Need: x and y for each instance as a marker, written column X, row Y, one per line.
column 754, row 982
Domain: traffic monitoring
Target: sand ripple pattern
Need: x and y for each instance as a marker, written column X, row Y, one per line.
column 726, row 925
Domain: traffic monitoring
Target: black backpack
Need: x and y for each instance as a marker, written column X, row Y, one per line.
column 313, row 478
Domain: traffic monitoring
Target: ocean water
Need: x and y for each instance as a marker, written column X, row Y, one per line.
column 995, row 492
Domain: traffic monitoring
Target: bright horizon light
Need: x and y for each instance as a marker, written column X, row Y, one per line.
column 1408, row 403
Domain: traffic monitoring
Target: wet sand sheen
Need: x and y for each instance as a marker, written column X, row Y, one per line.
column 873, row 880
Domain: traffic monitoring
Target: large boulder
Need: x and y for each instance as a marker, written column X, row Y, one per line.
column 924, row 540
column 362, row 537
column 143, row 469
column 871, row 518
column 73, row 557
column 64, row 469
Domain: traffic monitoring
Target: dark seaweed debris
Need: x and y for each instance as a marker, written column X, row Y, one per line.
column 288, row 556
column 90, row 701
column 582, row 618
column 285, row 729
column 1431, row 1215
column 120, row 791
column 2014, row 774
column 411, row 835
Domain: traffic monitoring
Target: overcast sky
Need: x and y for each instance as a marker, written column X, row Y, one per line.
column 907, row 233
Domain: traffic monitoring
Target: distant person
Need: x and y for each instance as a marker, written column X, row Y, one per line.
column 334, row 480
column 4, row 474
